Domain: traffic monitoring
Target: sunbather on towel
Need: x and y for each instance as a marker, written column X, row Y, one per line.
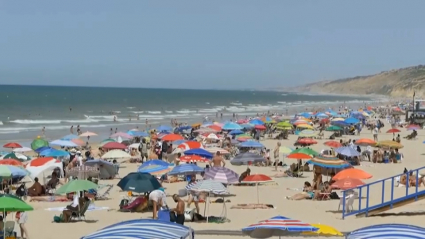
column 307, row 193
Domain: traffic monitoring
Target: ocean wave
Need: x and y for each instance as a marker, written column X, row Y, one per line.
column 154, row 112
column 186, row 111
column 1, row 122
column 22, row 121
column 137, row 112
column 169, row 111
column 236, row 103
column 214, row 110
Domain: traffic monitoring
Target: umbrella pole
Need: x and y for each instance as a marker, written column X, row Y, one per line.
column 208, row 204
column 258, row 195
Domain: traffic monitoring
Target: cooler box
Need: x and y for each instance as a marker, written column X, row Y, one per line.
column 164, row 215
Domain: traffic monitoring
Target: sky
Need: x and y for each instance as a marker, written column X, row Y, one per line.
column 216, row 44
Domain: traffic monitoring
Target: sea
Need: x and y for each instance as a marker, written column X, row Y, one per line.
column 25, row 110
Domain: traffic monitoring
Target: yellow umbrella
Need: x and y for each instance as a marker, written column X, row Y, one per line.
column 323, row 230
column 338, row 119
column 305, row 126
column 308, row 133
column 389, row 144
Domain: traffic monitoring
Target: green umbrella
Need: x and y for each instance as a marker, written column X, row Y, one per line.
column 285, row 150
column 76, row 186
column 38, row 143
column 12, row 156
column 106, row 141
column 305, row 151
column 284, row 124
column 9, row 203
column 333, row 128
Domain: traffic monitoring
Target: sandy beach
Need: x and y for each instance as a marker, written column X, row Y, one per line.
column 40, row 223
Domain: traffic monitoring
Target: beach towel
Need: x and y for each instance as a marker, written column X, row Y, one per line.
column 91, row 208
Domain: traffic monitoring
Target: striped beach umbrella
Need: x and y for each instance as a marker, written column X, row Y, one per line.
column 155, row 162
column 328, row 162
column 222, row 175
column 209, row 186
column 277, row 226
column 388, row 231
column 7, row 171
column 143, row 228
column 308, row 133
column 185, row 169
column 246, row 158
column 154, row 169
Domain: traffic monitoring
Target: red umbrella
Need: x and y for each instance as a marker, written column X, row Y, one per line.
column 325, row 121
column 257, row 178
column 12, row 162
column 193, row 158
column 12, row 145
column 260, row 127
column 413, row 126
column 172, row 137
column 333, row 144
column 347, row 183
column 307, row 141
column 215, row 127
column 393, row 131
column 299, row 156
column 114, row 145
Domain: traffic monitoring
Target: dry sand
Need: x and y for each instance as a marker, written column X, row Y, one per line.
column 40, row 225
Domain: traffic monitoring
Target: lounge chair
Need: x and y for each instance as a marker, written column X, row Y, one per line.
column 105, row 195
column 138, row 205
column 78, row 215
column 349, row 200
column 9, row 229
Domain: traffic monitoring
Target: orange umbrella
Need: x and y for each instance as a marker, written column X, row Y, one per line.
column 257, row 178
column 215, row 127
column 365, row 142
column 298, row 156
column 193, row 158
column 172, row 137
column 40, row 161
column 78, row 142
column 347, row 183
column 333, row 144
column 352, row 173
column 190, row 145
column 393, row 131
column 12, row 162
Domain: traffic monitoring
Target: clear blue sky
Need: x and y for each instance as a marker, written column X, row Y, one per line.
column 205, row 44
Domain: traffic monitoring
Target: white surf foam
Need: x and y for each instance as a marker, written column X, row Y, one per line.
column 186, row 111
column 154, row 112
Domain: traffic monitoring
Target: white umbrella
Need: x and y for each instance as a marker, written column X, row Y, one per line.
column 134, row 146
column 87, row 134
column 116, row 154
column 212, row 136
column 65, row 143
column 23, row 149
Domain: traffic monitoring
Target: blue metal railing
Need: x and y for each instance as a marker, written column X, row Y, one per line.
column 383, row 203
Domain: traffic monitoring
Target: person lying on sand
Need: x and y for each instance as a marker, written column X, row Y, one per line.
column 252, row 206
column 412, row 179
column 307, row 193
column 279, row 174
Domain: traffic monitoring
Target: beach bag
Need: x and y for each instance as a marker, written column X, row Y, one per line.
column 57, row 219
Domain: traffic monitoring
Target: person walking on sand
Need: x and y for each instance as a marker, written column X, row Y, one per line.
column 21, row 219
column 375, row 133
column 217, row 160
column 276, row 155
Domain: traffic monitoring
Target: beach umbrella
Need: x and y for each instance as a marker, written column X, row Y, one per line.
column 21, row 150
column 277, row 226
column 305, row 114
column 285, row 150
column 7, row 171
column 351, row 121
column 393, row 131
column 164, row 128
column 389, row 144
column 216, row 128
column 257, row 178
column 156, row 162
column 137, row 133
column 41, row 149
column 256, row 122
column 76, row 186
column 212, row 136
column 10, row 203
column 305, row 126
column 236, row 132
column 299, row 156
column 63, row 143
column 41, row 161
column 413, row 127
column 190, row 145
column 333, row 128
column 54, row 153
column 244, row 136
column 38, row 143
column 114, row 145
column 247, row 158
column 328, row 162
column 222, row 175
column 347, row 151
column 210, row 186
column 78, row 142
column 325, row 121
column 139, row 183
column 12, row 145
column 154, row 169
column 115, row 154
column 260, row 127
column 340, row 123
column 69, row 137
column 183, row 128
column 193, row 158
column 251, row 144
column 307, row 141
column 365, row 142
column 172, row 137
column 337, row 119
column 347, row 183
column 333, row 144
column 388, row 231
column 87, row 134
column 321, row 115
column 308, row 133
column 231, row 126
column 352, row 173
column 106, row 169
column 12, row 156
column 143, row 228
column 185, row 169
column 199, row 152
column 324, row 230
column 214, row 150
column 105, row 141
column 284, row 124
column 12, row 162
column 247, row 126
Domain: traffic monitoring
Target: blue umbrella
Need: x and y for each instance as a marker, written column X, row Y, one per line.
column 322, row 115
column 347, row 151
column 69, row 137
column 351, row 121
column 143, row 229
column 251, row 144
column 164, row 128
column 182, row 128
column 340, row 123
column 138, row 133
column 199, row 152
column 155, row 162
column 186, row 169
column 277, row 226
column 41, row 149
column 247, row 126
column 107, row 169
column 386, row 231
column 152, row 169
column 236, row 132
column 54, row 153
column 256, row 122
column 64, row 143
column 12, row 171
column 305, row 115
column 231, row 126
column 246, row 158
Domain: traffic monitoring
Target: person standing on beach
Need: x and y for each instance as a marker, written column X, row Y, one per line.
column 375, row 133
column 21, row 219
column 71, row 129
column 276, row 155
column 43, row 131
column 217, row 160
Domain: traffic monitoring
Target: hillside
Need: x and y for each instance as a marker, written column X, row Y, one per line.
column 398, row 83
